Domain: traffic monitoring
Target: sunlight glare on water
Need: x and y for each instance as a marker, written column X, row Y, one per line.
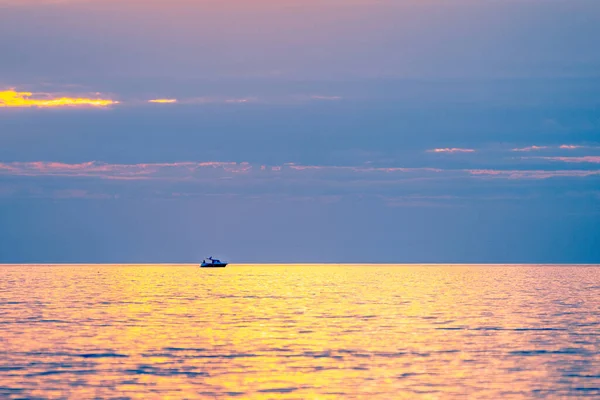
column 299, row 331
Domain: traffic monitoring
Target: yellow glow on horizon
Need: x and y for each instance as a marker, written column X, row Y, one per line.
column 163, row 101
column 12, row 98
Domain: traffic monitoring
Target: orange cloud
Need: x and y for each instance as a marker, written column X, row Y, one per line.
column 163, row 101
column 12, row 98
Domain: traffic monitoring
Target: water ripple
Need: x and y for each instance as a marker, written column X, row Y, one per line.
column 319, row 331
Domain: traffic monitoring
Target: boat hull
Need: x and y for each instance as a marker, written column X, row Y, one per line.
column 219, row 265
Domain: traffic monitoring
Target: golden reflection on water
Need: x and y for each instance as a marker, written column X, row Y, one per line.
column 299, row 331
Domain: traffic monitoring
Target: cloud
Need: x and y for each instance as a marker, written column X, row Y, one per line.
column 531, row 174
column 401, row 187
column 531, row 148
column 163, row 101
column 561, row 147
column 14, row 99
column 141, row 171
column 582, row 159
column 179, row 170
column 451, row 150
column 216, row 100
column 188, row 171
column 330, row 98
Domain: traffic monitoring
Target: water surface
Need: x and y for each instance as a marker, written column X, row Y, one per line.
column 299, row 331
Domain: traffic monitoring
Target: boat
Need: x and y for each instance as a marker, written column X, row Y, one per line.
column 212, row 263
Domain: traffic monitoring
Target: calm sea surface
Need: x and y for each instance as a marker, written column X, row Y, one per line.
column 299, row 332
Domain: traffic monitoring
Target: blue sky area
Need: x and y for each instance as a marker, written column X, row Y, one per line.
column 300, row 131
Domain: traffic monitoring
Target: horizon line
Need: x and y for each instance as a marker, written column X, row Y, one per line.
column 307, row 263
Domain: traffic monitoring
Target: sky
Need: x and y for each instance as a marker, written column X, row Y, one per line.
column 396, row 131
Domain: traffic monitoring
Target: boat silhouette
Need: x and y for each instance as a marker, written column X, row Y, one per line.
column 212, row 263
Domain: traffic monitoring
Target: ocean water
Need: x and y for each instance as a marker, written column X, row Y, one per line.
column 299, row 331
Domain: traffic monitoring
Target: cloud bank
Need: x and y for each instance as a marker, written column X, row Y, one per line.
column 14, row 99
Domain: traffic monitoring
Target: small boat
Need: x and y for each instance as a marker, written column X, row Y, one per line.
column 212, row 263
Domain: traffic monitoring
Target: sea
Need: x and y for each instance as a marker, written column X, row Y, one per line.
column 299, row 332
